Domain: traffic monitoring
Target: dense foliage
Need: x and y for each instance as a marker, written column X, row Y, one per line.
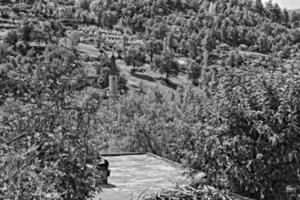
column 244, row 136
column 49, row 141
column 265, row 28
column 165, row 64
column 135, row 56
column 240, row 125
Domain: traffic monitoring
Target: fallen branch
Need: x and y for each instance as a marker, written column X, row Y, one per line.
column 17, row 138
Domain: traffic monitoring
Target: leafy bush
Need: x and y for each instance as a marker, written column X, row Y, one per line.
column 253, row 142
column 45, row 156
column 48, row 142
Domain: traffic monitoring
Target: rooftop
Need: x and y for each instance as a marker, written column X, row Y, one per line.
column 135, row 175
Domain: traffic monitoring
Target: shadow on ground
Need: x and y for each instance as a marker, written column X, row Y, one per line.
column 108, row 186
column 168, row 83
column 144, row 77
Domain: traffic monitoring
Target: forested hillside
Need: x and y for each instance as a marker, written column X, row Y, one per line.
column 295, row 10
column 214, row 85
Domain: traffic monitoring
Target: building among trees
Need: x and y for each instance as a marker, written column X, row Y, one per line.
column 113, row 79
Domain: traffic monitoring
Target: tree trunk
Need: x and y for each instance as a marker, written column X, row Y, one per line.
column 133, row 69
column 99, row 19
column 151, row 56
column 167, row 78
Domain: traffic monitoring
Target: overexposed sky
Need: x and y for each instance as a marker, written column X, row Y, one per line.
column 289, row 4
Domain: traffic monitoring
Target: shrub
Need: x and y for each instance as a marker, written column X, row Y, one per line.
column 250, row 141
column 48, row 162
column 47, row 139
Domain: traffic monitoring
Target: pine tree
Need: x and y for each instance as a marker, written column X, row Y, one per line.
column 285, row 17
column 276, row 14
column 295, row 17
column 263, row 44
column 97, row 7
column 194, row 72
column 269, row 7
column 259, row 7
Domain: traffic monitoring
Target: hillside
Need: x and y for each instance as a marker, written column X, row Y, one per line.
column 246, row 37
column 295, row 10
column 213, row 85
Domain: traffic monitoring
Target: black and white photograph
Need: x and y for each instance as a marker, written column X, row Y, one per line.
column 149, row 99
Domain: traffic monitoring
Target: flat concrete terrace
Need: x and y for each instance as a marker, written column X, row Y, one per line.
column 132, row 176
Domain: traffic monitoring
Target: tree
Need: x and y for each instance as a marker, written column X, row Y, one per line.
column 11, row 38
column 47, row 150
column 263, row 43
column 74, row 39
column 194, row 45
column 159, row 30
column 295, row 36
column 235, row 59
column 6, row 1
column 25, row 31
column 57, row 29
column 166, row 64
column 13, row 15
column 137, row 23
column 259, row 6
column 269, row 8
column 66, row 13
column 21, row 48
column 110, row 18
column 38, row 35
column 83, row 4
column 135, row 56
column 153, row 47
column 47, row 31
column 295, row 18
column 276, row 14
column 3, row 52
column 208, row 41
column 285, row 17
column 97, row 7
column 99, row 40
column 194, row 72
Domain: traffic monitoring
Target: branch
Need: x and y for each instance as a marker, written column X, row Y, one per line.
column 16, row 138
